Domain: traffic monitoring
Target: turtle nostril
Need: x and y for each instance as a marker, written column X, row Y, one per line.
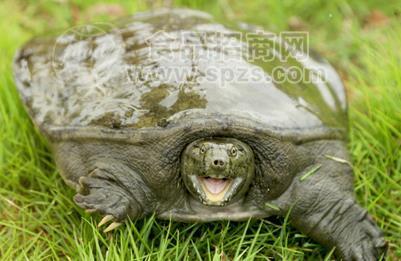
column 218, row 163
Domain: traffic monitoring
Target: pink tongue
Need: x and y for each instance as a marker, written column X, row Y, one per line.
column 215, row 186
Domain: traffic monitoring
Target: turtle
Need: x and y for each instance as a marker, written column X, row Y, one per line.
column 173, row 113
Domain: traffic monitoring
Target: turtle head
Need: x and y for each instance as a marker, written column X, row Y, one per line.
column 217, row 170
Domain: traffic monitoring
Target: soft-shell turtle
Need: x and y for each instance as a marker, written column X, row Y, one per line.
column 169, row 112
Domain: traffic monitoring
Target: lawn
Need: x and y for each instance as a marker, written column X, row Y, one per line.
column 38, row 219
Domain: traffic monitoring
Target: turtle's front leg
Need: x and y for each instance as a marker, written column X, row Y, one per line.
column 323, row 208
column 320, row 202
column 343, row 224
column 112, row 192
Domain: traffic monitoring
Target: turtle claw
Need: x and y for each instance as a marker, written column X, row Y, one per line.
column 112, row 226
column 105, row 219
column 90, row 210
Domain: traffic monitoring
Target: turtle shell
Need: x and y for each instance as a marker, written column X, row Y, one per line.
column 152, row 70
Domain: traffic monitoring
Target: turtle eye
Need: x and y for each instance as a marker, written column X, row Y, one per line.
column 233, row 151
column 202, row 149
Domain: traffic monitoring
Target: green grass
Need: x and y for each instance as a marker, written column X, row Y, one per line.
column 38, row 219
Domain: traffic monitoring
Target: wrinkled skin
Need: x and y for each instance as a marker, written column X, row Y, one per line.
column 191, row 150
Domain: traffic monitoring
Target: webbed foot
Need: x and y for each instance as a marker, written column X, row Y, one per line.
column 100, row 193
column 360, row 239
column 347, row 227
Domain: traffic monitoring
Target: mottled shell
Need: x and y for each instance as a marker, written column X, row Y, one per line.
column 152, row 69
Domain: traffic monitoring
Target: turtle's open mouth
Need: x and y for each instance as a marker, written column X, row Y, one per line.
column 215, row 188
